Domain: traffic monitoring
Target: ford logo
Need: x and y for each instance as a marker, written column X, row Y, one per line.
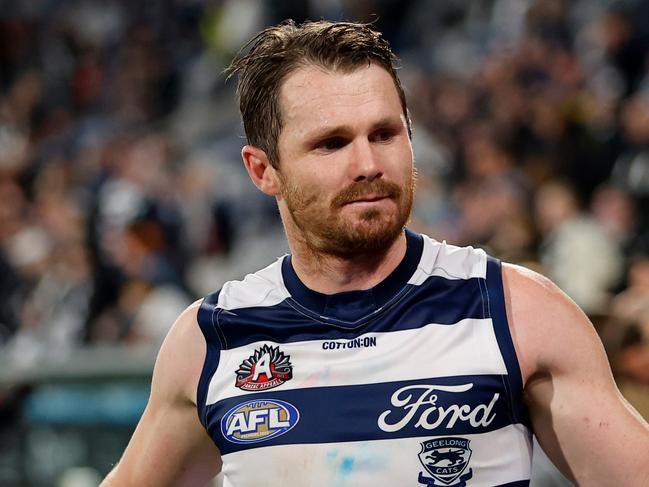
column 258, row 420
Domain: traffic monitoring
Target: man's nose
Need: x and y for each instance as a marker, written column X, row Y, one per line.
column 365, row 164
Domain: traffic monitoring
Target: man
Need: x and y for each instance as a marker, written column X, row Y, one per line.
column 371, row 355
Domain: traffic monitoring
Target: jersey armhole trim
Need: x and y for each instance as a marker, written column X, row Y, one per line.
column 498, row 315
column 213, row 346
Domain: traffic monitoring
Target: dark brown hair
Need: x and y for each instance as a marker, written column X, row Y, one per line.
column 279, row 50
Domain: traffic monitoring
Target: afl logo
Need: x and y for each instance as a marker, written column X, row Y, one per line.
column 259, row 420
column 268, row 367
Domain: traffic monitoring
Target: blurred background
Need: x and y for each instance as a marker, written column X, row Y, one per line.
column 123, row 197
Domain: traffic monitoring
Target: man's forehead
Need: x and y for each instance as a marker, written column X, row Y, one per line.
column 311, row 88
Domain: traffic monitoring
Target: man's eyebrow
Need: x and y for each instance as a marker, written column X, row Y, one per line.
column 387, row 122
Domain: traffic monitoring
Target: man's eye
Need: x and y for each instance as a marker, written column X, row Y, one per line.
column 332, row 144
column 382, row 136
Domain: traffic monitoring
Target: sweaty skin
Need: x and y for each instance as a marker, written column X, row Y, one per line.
column 342, row 128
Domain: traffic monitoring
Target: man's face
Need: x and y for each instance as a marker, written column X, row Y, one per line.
column 346, row 166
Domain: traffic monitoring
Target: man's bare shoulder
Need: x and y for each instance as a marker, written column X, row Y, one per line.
column 546, row 325
column 186, row 326
column 527, row 285
column 181, row 357
column 574, row 404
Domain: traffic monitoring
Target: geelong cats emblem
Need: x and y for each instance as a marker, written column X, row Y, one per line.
column 445, row 459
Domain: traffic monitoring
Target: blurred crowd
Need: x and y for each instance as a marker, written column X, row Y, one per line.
column 123, row 198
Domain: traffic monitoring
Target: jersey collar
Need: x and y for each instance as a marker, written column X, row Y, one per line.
column 353, row 305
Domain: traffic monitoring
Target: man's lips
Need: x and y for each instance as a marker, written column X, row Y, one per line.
column 367, row 193
column 368, row 199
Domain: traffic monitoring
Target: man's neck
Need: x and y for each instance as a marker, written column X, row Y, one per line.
column 328, row 274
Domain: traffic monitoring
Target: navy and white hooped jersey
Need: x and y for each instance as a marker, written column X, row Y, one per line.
column 413, row 382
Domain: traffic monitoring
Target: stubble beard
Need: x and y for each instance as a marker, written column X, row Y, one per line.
column 327, row 231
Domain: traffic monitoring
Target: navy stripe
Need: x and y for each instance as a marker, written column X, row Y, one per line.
column 213, row 352
column 505, row 343
column 519, row 483
column 438, row 300
column 326, row 413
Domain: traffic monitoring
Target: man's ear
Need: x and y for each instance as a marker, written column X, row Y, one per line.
column 262, row 173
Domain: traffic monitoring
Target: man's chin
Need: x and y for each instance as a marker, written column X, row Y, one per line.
column 363, row 238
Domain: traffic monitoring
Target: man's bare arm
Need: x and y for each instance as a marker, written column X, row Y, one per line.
column 581, row 420
column 170, row 447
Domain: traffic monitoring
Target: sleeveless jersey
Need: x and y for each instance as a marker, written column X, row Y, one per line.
column 413, row 382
